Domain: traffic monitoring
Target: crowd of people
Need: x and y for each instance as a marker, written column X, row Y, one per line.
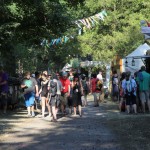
column 132, row 91
column 69, row 90
column 56, row 91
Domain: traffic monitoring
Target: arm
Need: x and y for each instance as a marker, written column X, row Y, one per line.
column 48, row 86
column 4, row 78
column 69, row 90
column 36, row 87
column 3, row 83
column 81, row 87
column 23, row 86
column 41, row 88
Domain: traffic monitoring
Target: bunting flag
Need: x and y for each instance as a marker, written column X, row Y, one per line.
column 91, row 21
column 82, row 24
column 55, row 42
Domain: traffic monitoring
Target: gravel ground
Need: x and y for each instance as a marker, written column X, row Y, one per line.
column 100, row 128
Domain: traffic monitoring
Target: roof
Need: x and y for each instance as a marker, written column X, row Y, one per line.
column 140, row 51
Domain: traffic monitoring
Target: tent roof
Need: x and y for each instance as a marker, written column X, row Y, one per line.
column 140, row 51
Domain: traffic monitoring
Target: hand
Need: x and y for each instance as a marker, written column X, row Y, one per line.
column 68, row 94
column 37, row 94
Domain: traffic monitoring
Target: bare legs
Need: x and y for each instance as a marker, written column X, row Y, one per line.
column 79, row 109
column 30, row 109
column 45, row 103
column 134, row 108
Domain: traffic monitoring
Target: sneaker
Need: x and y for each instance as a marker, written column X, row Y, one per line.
column 50, row 115
column 33, row 114
column 74, row 115
column 54, row 120
column 28, row 115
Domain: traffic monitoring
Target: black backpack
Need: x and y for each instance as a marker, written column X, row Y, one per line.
column 53, row 88
column 84, row 85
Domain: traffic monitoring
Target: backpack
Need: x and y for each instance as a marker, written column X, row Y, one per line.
column 131, row 88
column 84, row 85
column 53, row 88
column 115, row 80
column 98, row 84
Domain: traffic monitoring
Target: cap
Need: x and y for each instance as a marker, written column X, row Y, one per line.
column 64, row 74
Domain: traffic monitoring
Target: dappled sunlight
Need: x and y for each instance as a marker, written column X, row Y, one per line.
column 114, row 111
column 72, row 133
column 100, row 114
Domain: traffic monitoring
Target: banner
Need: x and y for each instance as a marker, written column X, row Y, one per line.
column 82, row 24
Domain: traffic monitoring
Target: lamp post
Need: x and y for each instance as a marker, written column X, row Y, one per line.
column 133, row 62
column 126, row 63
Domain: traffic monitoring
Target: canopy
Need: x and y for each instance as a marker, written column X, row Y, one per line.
column 140, row 51
column 137, row 55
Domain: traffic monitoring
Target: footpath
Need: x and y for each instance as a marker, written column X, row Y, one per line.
column 89, row 132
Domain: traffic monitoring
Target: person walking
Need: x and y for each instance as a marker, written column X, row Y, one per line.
column 44, row 94
column 115, row 86
column 65, row 93
column 129, row 86
column 76, row 95
column 143, row 80
column 94, row 90
column 30, row 89
column 85, row 87
column 54, row 88
column 3, row 89
column 38, row 80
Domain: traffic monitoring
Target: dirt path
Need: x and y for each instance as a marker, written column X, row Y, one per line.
column 70, row 133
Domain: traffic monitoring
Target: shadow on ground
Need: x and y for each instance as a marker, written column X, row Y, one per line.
column 100, row 128
column 69, row 133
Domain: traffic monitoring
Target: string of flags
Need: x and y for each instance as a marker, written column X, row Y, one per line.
column 57, row 41
column 82, row 24
column 91, row 21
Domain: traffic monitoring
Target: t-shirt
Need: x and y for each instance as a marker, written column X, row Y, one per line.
column 65, row 84
column 144, row 85
column 4, row 77
column 93, row 85
column 99, row 76
column 30, row 83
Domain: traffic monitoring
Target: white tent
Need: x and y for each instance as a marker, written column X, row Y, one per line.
column 138, row 55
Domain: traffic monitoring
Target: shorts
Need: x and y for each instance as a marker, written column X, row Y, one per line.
column 3, row 99
column 29, row 99
column 55, row 101
column 130, row 99
column 44, row 94
column 96, row 96
column 144, row 96
column 64, row 99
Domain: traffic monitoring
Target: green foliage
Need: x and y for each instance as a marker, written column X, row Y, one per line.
column 25, row 23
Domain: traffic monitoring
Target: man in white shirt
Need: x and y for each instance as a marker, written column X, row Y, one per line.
column 99, row 76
